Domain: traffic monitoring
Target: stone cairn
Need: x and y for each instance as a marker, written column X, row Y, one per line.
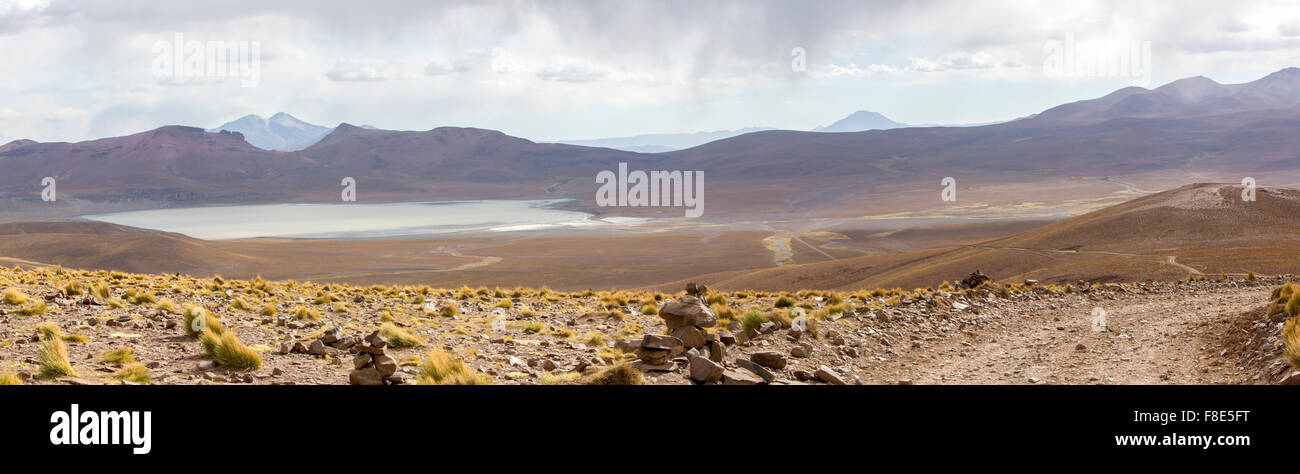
column 704, row 352
column 371, row 366
column 975, row 279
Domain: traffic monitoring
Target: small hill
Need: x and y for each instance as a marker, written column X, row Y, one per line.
column 1198, row 228
column 100, row 245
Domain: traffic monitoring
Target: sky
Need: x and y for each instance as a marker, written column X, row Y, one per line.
column 554, row 70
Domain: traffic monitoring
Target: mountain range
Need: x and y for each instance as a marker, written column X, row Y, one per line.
column 1182, row 130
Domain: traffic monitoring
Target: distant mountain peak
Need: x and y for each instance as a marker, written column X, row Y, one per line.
column 859, row 121
column 281, row 132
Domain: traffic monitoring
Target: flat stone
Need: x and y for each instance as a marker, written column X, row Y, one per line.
column 740, row 377
column 756, row 369
column 769, row 359
column 827, row 375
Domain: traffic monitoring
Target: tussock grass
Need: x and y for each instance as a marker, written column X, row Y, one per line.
column 229, row 352
column 622, row 374
column 209, row 322
column 442, row 368
column 783, row 302
column 33, row 310
column 723, row 311
column 267, row 310
column 134, row 373
column 305, row 313
column 13, row 297
column 448, row 310
column 53, row 355
column 10, row 378
column 121, row 355
column 1291, row 342
column 649, row 309
column 398, row 337
column 241, row 305
column 167, row 306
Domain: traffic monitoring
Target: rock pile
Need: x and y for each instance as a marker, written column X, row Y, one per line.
column 332, row 338
column 371, row 366
column 687, row 318
column 975, row 279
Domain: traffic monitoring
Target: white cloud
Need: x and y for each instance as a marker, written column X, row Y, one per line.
column 356, row 70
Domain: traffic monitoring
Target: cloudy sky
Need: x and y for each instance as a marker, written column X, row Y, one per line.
column 76, row 70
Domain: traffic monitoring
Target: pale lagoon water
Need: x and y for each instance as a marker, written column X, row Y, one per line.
column 353, row 220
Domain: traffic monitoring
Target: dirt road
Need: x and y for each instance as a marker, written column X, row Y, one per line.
column 1151, row 338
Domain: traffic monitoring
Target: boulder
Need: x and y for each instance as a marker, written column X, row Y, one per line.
column 769, row 359
column 687, row 311
column 366, row 376
column 704, row 370
column 658, row 341
column 691, row 336
column 361, row 360
column 385, row 364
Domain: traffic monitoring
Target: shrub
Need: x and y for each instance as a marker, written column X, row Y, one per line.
column 751, row 319
column 398, row 337
column 1250, row 276
column 442, row 368
column 53, row 355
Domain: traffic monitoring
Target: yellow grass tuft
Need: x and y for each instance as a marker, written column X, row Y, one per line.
column 10, row 378
column 442, row 368
column 134, row 373
column 13, row 297
column 229, row 352
column 53, row 355
column 122, row 355
column 194, row 327
column 398, row 337
column 305, row 313
column 622, row 374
